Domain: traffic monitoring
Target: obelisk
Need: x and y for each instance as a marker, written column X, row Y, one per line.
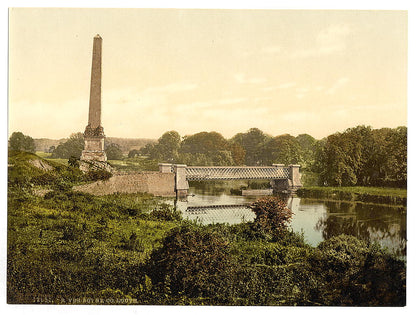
column 94, row 132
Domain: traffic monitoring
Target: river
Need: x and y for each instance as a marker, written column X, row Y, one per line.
column 317, row 219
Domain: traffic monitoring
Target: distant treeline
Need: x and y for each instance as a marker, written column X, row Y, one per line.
column 125, row 144
column 358, row 156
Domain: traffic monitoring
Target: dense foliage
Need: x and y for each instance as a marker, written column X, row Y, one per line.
column 20, row 142
column 358, row 156
column 113, row 152
column 66, row 247
column 272, row 216
column 71, row 147
column 363, row 156
column 73, row 248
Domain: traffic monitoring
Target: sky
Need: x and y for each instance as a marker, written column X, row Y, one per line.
column 282, row 71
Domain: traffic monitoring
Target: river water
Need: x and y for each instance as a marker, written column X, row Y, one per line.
column 318, row 220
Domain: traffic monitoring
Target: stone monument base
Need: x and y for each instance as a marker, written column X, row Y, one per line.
column 99, row 156
column 94, row 165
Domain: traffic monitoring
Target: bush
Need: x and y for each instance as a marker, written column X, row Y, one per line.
column 272, row 216
column 192, row 260
column 352, row 272
column 94, row 175
column 133, row 243
column 73, row 161
column 166, row 212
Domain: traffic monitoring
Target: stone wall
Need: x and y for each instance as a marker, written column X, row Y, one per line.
column 158, row 184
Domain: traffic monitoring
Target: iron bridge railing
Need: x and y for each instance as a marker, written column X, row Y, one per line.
column 200, row 173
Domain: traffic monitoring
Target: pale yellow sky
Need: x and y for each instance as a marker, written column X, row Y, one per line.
column 314, row 72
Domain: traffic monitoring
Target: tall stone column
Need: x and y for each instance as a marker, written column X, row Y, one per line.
column 94, row 132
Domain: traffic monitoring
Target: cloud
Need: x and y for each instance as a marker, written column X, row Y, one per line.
column 341, row 82
column 300, row 92
column 228, row 101
column 242, row 79
column 328, row 41
column 172, row 88
column 287, row 85
column 281, row 86
column 271, row 50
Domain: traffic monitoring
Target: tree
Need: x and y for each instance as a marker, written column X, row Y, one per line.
column 166, row 149
column 336, row 161
column 206, row 148
column 308, row 149
column 20, row 142
column 362, row 156
column 282, row 149
column 133, row 153
column 272, row 216
column 394, row 168
column 72, row 147
column 168, row 146
column 113, row 152
column 238, row 153
column 147, row 149
column 253, row 142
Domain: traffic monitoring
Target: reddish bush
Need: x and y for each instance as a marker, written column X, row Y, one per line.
column 272, row 216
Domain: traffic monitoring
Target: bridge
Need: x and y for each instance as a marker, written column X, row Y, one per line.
column 282, row 178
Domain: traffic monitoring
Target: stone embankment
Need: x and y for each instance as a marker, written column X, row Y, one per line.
column 156, row 183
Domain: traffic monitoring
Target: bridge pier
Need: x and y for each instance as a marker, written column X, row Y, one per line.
column 181, row 183
column 290, row 184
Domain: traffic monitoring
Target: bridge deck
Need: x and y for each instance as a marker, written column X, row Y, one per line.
column 199, row 173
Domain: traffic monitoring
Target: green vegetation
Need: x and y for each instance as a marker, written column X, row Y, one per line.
column 362, row 190
column 359, row 156
column 74, row 248
column 113, row 152
column 362, row 156
column 20, row 142
column 66, row 247
column 71, row 147
column 43, row 155
column 375, row 195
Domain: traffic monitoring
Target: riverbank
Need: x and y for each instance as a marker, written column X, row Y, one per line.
column 377, row 195
column 68, row 247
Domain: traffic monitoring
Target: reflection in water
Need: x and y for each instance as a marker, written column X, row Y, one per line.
column 317, row 220
column 234, row 214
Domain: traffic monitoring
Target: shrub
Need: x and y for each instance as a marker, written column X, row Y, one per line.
column 193, row 260
column 352, row 272
column 71, row 232
column 94, row 175
column 166, row 212
column 272, row 216
column 133, row 243
column 73, row 161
